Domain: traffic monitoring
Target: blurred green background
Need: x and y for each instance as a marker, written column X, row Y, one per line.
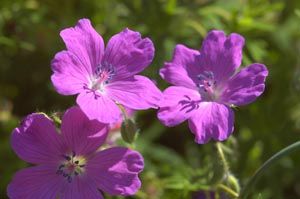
column 175, row 165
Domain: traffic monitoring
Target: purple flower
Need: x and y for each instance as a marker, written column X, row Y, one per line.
column 106, row 77
column 206, row 83
column 69, row 164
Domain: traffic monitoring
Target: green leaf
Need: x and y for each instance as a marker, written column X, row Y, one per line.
column 284, row 152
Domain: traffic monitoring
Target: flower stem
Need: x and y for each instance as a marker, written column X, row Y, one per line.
column 228, row 190
column 284, row 152
column 122, row 108
column 222, row 157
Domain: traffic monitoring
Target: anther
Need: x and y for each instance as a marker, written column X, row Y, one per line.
column 67, row 157
column 71, row 166
column 206, row 84
column 103, row 74
column 59, row 172
column 69, row 179
column 61, row 166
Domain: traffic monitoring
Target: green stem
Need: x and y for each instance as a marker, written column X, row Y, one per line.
column 228, row 190
column 222, row 156
column 123, row 112
column 246, row 190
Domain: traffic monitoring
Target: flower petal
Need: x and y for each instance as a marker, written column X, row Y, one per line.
column 128, row 53
column 81, row 135
column 98, row 106
column 183, row 69
column 69, row 75
column 36, row 140
column 39, row 182
column 81, row 187
column 116, row 170
column 178, row 104
column 244, row 87
column 212, row 120
column 137, row 93
column 220, row 54
column 85, row 43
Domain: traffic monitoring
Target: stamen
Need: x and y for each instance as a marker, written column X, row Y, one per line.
column 102, row 75
column 207, row 84
column 72, row 166
column 69, row 179
column 67, row 157
column 59, row 171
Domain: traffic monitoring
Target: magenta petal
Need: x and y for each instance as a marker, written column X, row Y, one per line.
column 212, row 120
column 81, row 135
column 116, row 170
column 81, row 188
column 69, row 75
column 178, row 104
column 36, row 140
column 39, row 182
column 85, row 43
column 183, row 69
column 137, row 93
column 220, row 54
column 98, row 106
column 128, row 53
column 244, row 87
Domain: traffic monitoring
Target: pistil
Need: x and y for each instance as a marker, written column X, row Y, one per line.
column 103, row 74
column 71, row 167
column 206, row 85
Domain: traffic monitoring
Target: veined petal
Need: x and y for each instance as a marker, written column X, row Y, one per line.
column 98, row 106
column 36, row 140
column 183, row 69
column 39, row 182
column 81, row 135
column 220, row 54
column 81, row 188
column 212, row 121
column 178, row 104
column 128, row 53
column 69, row 75
column 85, row 43
column 137, row 93
column 116, row 170
column 244, row 87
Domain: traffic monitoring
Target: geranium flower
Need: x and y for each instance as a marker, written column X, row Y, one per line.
column 106, row 77
column 69, row 164
column 206, row 83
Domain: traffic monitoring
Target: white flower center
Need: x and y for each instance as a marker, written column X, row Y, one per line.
column 207, row 85
column 103, row 74
column 71, row 167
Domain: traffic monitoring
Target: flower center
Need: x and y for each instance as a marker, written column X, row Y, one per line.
column 71, row 167
column 103, row 74
column 207, row 85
